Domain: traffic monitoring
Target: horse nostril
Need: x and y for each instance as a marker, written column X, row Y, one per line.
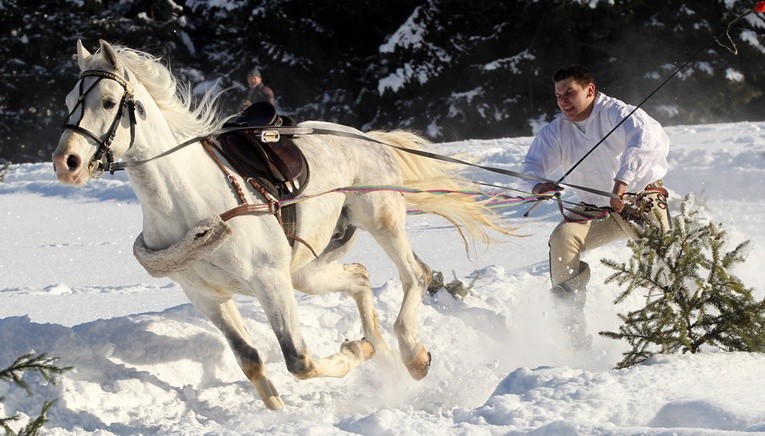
column 73, row 162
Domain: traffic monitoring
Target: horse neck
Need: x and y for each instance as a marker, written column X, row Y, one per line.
column 176, row 191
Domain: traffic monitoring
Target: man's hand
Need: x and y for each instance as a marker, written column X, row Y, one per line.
column 544, row 187
column 617, row 204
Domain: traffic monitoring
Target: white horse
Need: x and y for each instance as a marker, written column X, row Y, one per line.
column 128, row 106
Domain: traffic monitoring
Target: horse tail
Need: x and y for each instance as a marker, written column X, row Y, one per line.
column 459, row 206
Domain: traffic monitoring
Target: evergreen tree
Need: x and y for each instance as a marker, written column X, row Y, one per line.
column 451, row 70
column 693, row 300
column 46, row 367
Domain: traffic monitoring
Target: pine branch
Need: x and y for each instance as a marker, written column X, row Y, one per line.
column 4, row 424
column 29, row 362
column 34, row 426
column 46, row 367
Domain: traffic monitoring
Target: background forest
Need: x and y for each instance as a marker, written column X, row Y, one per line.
column 448, row 69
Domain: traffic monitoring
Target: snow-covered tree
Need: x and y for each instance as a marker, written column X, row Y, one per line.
column 448, row 69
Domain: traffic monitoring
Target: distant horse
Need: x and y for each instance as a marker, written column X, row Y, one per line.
column 128, row 106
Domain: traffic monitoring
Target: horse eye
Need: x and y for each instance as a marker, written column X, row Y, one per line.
column 109, row 104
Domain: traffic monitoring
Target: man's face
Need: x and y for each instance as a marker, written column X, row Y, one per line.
column 253, row 81
column 574, row 100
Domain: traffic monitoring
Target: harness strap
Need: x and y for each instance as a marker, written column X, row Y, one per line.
column 295, row 131
column 248, row 209
column 209, row 146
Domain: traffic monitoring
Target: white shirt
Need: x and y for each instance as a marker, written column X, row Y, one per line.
column 635, row 153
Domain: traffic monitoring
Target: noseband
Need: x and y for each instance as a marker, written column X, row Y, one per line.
column 103, row 156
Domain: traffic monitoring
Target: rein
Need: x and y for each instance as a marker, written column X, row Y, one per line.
column 273, row 206
column 103, row 159
column 270, row 132
column 494, row 201
column 460, row 162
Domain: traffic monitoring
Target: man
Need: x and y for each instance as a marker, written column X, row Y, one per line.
column 258, row 90
column 631, row 159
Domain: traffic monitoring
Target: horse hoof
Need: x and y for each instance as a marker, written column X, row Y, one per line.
column 420, row 365
column 362, row 348
column 368, row 349
column 274, row 403
column 268, row 393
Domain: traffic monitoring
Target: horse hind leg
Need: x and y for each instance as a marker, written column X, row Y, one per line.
column 280, row 306
column 415, row 276
column 325, row 274
column 414, row 355
column 226, row 317
column 320, row 277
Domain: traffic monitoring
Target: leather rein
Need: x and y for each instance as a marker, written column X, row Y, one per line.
column 103, row 159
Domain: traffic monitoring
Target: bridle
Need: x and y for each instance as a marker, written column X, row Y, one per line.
column 103, row 157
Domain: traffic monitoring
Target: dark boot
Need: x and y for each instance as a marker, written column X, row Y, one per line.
column 568, row 300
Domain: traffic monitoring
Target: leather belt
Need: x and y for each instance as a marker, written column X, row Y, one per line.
column 657, row 184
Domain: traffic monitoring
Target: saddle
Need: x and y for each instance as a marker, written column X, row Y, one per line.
column 271, row 158
column 257, row 150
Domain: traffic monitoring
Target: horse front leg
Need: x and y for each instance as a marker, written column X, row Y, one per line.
column 224, row 315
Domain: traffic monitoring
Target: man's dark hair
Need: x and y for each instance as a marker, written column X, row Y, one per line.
column 581, row 75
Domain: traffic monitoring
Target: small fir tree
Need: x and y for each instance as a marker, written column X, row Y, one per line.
column 42, row 364
column 692, row 299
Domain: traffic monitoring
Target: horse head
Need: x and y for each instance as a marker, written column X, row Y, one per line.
column 102, row 116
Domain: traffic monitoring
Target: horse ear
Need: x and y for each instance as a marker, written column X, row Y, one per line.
column 82, row 55
column 109, row 53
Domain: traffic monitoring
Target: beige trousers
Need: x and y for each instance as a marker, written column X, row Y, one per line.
column 570, row 239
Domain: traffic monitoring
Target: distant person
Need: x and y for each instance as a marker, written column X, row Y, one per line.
column 632, row 159
column 258, row 90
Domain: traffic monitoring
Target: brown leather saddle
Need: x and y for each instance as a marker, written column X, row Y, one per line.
column 258, row 145
column 271, row 158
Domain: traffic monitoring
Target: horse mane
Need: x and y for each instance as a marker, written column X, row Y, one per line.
column 174, row 99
